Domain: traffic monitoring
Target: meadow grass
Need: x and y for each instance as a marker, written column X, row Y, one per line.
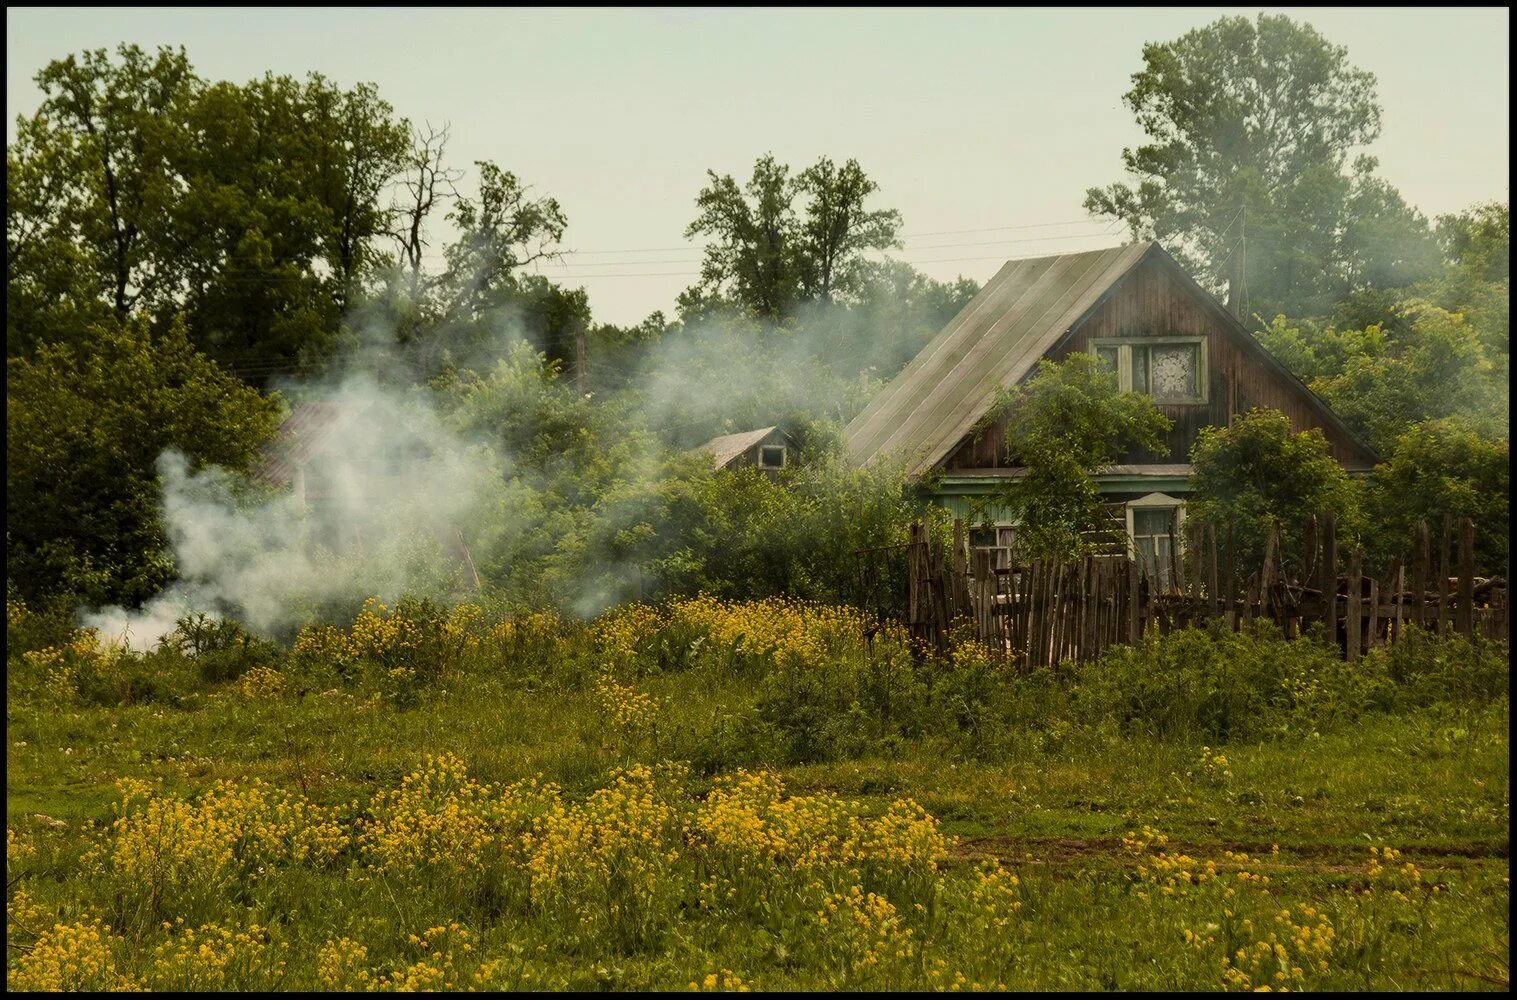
column 745, row 796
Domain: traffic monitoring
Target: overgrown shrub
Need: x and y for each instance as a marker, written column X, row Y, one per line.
column 1214, row 684
column 1203, row 683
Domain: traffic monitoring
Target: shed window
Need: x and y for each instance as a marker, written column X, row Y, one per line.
column 1168, row 371
column 772, row 456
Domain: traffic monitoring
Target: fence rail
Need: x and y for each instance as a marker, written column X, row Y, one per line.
column 1044, row 613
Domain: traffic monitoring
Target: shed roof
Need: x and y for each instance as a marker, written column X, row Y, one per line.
column 994, row 341
column 725, row 448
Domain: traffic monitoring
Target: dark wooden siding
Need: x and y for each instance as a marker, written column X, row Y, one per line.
column 1153, row 301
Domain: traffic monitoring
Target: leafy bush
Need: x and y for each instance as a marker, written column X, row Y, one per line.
column 1197, row 683
column 1218, row 685
column 1431, row 669
column 222, row 649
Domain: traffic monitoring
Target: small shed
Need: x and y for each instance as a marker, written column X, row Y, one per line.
column 766, row 449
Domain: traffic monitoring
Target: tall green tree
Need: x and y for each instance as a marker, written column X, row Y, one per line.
column 1258, row 472
column 94, row 168
column 751, row 258
column 1437, row 367
column 1478, row 281
column 836, row 230
column 783, row 238
column 282, row 218
column 254, row 211
column 1444, row 467
column 87, row 423
column 1250, row 127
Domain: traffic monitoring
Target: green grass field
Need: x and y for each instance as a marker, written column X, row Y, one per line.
column 731, row 808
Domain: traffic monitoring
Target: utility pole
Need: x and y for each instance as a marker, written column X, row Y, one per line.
column 581, row 363
column 1237, row 265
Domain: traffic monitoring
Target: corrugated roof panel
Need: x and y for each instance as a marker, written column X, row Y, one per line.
column 993, row 341
column 726, row 447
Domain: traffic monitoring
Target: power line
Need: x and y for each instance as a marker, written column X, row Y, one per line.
column 687, row 274
column 904, row 236
column 1107, row 231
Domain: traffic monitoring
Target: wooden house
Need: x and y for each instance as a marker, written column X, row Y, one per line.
column 767, row 449
column 1134, row 307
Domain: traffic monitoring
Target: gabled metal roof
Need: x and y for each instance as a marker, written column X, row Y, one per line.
column 725, row 448
column 993, row 342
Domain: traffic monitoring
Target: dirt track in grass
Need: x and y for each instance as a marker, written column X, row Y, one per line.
column 1075, row 852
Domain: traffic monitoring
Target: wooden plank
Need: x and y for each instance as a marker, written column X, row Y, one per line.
column 1445, row 568
column 1034, row 597
column 1230, row 580
column 959, row 604
column 1311, row 547
column 1327, row 579
column 1420, row 570
column 1132, row 602
column 1151, row 605
column 1373, row 632
column 913, row 534
column 1061, row 604
column 1213, row 596
column 1352, row 615
column 1176, row 581
column 1267, row 569
column 1054, row 607
column 1091, row 633
column 1466, row 609
column 1398, row 581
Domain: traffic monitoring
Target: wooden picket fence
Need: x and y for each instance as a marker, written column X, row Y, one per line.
column 1049, row 612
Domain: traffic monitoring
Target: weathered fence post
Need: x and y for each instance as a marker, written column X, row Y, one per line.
column 1372, row 632
column 1311, row 547
column 1353, row 613
column 1267, row 569
column 1213, row 598
column 1420, row 572
column 1398, row 582
column 1328, row 574
column 1230, row 580
column 1466, row 610
column 1444, row 568
column 1053, row 611
column 1132, row 601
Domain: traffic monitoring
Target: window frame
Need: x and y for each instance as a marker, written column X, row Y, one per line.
column 784, row 457
column 1153, row 501
column 1124, row 348
column 1004, row 535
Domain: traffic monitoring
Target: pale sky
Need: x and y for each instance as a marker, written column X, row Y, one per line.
column 984, row 128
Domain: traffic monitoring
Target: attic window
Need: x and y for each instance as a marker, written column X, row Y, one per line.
column 772, row 456
column 1166, row 369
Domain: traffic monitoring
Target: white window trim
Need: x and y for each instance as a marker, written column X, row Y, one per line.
column 1000, row 552
column 784, row 457
column 1124, row 346
column 1155, row 500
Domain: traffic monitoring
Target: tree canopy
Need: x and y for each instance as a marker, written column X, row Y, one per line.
column 1068, row 420
column 1247, row 176
column 767, row 254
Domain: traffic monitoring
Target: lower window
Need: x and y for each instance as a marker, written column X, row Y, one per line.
column 1155, row 533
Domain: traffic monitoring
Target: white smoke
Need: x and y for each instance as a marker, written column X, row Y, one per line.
column 390, row 496
column 396, row 501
